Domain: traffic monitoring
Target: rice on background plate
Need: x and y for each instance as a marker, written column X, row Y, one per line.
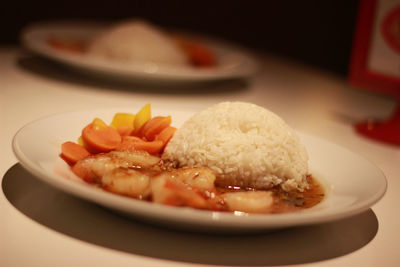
column 244, row 144
column 137, row 41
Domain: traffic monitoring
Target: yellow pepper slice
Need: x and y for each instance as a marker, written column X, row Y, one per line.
column 80, row 141
column 122, row 120
column 99, row 124
column 123, row 123
column 142, row 117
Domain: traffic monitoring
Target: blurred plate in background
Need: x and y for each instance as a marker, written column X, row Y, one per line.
column 233, row 62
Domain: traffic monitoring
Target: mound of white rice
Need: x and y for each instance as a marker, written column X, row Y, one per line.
column 137, row 41
column 244, row 144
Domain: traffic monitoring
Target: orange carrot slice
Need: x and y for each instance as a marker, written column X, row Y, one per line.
column 147, row 125
column 155, row 129
column 153, row 147
column 72, row 152
column 154, row 126
column 136, row 143
column 166, row 134
column 127, row 143
column 98, row 137
column 125, row 130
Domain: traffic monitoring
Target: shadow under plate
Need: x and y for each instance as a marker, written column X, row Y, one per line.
column 91, row 223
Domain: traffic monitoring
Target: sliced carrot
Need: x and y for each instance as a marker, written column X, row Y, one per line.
column 154, row 126
column 153, row 147
column 127, row 143
column 136, row 143
column 98, row 137
column 147, row 125
column 72, row 152
column 151, row 133
column 125, row 130
column 166, row 134
column 142, row 117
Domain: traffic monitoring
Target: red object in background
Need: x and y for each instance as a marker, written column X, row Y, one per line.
column 387, row 131
column 67, row 45
column 199, row 54
column 391, row 29
column 362, row 76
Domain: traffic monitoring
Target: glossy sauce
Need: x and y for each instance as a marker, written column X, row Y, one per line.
column 211, row 198
column 289, row 201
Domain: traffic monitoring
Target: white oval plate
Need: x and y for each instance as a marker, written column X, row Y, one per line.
column 351, row 182
column 233, row 62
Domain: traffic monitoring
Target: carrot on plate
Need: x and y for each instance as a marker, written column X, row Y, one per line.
column 153, row 147
column 72, row 152
column 136, row 143
column 125, row 130
column 99, row 137
column 166, row 134
column 128, row 142
column 154, row 126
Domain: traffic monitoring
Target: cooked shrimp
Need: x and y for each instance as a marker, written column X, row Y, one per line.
column 140, row 175
column 137, row 158
column 249, row 201
column 92, row 168
column 128, row 182
column 199, row 177
column 193, row 187
column 172, row 192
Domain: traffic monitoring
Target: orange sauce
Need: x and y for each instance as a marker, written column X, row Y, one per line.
column 289, row 201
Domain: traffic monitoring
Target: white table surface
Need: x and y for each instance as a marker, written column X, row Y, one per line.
column 319, row 103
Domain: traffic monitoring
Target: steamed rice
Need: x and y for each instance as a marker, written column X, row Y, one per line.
column 137, row 41
column 244, row 144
